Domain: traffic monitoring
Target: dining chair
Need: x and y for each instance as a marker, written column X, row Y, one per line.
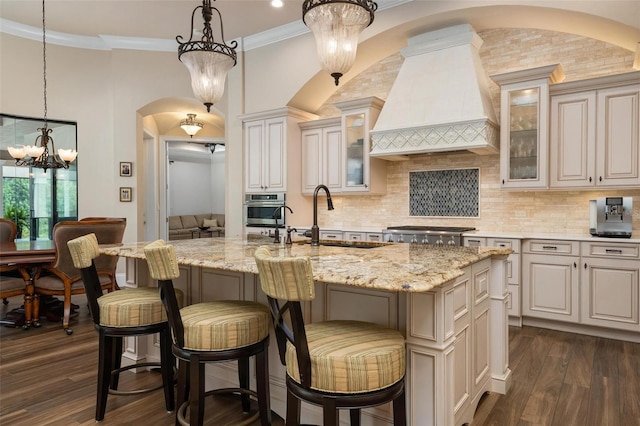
column 11, row 280
column 8, row 230
column 62, row 278
column 212, row 332
column 123, row 313
column 334, row 364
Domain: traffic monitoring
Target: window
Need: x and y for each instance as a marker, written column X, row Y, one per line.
column 34, row 199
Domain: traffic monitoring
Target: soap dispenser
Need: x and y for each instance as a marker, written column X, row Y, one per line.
column 289, row 231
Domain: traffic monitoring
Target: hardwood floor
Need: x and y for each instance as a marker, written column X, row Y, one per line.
column 48, row 378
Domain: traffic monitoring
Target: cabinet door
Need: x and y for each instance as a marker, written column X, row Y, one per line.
column 550, row 287
column 356, row 162
column 311, row 159
column 573, row 140
column 524, row 128
column 254, row 145
column 274, row 155
column 610, row 293
column 618, row 137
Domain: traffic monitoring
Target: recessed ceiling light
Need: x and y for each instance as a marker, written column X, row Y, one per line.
column 277, row 3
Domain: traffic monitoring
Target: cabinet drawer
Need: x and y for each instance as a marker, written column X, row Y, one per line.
column 609, row 250
column 374, row 236
column 552, row 246
column 504, row 243
column 475, row 241
column 330, row 235
column 354, row 236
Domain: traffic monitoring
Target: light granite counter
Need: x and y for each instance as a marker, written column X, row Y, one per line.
column 390, row 267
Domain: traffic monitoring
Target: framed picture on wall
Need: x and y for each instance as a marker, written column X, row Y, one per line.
column 125, row 194
column 126, row 168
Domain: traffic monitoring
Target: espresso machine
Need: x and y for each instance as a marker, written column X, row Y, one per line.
column 611, row 217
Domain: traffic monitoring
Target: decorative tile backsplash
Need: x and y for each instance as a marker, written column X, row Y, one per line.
column 444, row 193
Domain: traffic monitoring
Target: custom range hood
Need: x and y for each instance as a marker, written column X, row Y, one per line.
column 440, row 100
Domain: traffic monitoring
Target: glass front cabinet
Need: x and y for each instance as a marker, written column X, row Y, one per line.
column 524, row 126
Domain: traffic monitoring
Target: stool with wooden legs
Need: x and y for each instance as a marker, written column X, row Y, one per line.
column 212, row 332
column 333, row 364
column 119, row 314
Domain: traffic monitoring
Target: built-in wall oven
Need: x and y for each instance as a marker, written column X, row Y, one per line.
column 264, row 210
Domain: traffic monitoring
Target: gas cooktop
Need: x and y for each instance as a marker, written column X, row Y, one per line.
column 411, row 228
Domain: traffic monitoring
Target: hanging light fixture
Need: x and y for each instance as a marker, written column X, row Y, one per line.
column 336, row 26
column 190, row 125
column 208, row 61
column 38, row 155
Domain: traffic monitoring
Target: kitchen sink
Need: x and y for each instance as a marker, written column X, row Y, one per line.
column 349, row 244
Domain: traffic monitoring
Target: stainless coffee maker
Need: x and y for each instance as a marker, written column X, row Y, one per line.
column 611, row 217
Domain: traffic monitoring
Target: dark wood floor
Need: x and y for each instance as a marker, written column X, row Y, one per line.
column 48, row 378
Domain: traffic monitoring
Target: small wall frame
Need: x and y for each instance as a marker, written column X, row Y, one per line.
column 126, row 194
column 126, row 168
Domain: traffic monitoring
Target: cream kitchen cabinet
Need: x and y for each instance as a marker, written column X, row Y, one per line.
column 595, row 133
column 322, row 155
column 271, row 139
column 361, row 173
column 550, row 280
column 331, row 235
column 610, row 285
column 512, row 267
column 524, row 126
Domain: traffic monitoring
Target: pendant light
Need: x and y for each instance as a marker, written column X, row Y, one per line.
column 207, row 60
column 38, row 154
column 336, row 26
column 190, row 125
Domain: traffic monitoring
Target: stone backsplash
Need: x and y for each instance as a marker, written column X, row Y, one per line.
column 561, row 212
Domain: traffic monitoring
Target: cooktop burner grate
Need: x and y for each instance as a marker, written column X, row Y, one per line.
column 453, row 229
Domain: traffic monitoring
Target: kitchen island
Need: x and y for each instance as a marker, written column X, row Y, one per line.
column 449, row 302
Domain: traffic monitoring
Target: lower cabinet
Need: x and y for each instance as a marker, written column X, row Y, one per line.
column 610, row 285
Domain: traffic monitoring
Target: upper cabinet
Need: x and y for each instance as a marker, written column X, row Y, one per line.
column 361, row 173
column 524, row 126
column 335, row 151
column 595, row 133
column 271, row 139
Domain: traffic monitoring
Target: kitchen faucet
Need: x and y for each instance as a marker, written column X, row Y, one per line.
column 276, row 235
column 315, row 231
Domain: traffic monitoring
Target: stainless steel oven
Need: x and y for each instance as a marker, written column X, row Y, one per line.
column 264, row 210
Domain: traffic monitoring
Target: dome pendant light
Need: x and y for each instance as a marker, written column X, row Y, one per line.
column 190, row 125
column 336, row 26
column 208, row 61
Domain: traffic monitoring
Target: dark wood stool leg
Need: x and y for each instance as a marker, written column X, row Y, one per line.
column 183, row 385
column 293, row 409
column 329, row 412
column 243, row 378
column 105, row 359
column 399, row 410
column 354, row 415
column 196, row 397
column 262, row 384
column 167, row 364
column 116, row 360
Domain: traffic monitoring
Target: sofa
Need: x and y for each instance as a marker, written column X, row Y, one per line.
column 181, row 227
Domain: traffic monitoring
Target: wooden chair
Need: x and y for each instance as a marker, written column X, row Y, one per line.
column 11, row 281
column 119, row 314
column 63, row 279
column 8, row 230
column 333, row 364
column 212, row 332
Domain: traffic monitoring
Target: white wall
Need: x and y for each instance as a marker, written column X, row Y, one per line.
column 189, row 188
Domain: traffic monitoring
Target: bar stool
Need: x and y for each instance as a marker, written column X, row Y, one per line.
column 333, row 364
column 119, row 314
column 212, row 332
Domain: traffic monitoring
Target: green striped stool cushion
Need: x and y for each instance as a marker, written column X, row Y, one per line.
column 216, row 326
column 351, row 356
column 133, row 307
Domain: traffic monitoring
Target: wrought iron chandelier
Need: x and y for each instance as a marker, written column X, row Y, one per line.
column 207, row 60
column 336, row 26
column 38, row 154
column 190, row 125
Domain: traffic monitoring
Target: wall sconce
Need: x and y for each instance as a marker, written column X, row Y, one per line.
column 190, row 125
column 208, row 61
column 336, row 26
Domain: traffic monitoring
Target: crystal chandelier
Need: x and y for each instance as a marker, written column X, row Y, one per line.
column 38, row 154
column 190, row 125
column 208, row 61
column 336, row 26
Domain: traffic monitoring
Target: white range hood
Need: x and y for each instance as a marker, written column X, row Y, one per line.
column 440, row 100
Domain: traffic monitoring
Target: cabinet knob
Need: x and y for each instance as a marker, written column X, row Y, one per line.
column 503, row 181
column 590, row 179
column 600, row 178
column 585, row 265
column 575, row 265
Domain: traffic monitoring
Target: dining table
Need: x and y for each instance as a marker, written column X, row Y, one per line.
column 28, row 257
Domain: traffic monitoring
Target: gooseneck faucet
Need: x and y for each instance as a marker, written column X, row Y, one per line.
column 315, row 231
column 276, row 235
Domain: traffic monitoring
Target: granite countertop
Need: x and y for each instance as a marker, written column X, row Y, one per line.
column 390, row 267
column 551, row 236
